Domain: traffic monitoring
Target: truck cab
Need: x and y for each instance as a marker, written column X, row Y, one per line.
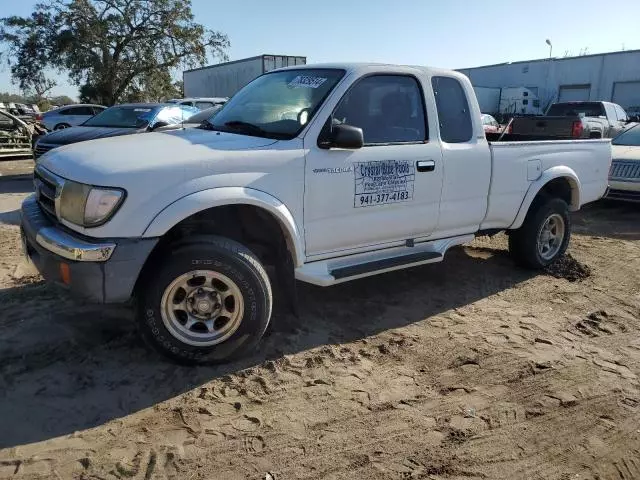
column 328, row 173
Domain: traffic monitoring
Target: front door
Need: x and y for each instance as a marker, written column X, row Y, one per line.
column 386, row 192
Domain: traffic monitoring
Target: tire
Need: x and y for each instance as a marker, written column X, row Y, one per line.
column 61, row 126
column 524, row 244
column 167, row 306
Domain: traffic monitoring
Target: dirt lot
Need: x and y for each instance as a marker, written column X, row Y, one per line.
column 467, row 369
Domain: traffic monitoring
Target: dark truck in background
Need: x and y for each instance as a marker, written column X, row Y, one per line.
column 571, row 120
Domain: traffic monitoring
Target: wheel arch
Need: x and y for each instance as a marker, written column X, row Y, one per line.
column 557, row 182
column 201, row 205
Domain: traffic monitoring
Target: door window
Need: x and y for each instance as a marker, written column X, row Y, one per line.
column 80, row 111
column 620, row 113
column 453, row 110
column 388, row 108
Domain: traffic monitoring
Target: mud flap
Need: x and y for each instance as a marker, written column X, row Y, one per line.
column 287, row 281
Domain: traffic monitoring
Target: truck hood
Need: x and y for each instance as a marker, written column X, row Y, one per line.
column 124, row 161
column 82, row 134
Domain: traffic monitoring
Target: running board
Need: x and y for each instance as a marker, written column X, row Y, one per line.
column 351, row 267
column 371, row 267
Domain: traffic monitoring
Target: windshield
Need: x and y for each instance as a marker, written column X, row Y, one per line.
column 581, row 109
column 630, row 137
column 278, row 104
column 127, row 116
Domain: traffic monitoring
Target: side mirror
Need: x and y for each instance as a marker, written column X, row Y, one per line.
column 157, row 125
column 343, row 136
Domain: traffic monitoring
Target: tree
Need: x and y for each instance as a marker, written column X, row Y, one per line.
column 38, row 86
column 111, row 49
column 62, row 100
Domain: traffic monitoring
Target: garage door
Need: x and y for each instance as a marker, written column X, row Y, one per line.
column 626, row 94
column 574, row 93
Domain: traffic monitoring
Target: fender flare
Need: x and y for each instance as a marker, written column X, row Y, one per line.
column 216, row 197
column 547, row 176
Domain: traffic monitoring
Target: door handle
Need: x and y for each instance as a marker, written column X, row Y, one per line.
column 426, row 165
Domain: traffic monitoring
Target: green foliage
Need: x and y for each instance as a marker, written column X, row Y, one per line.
column 6, row 97
column 62, row 100
column 111, row 49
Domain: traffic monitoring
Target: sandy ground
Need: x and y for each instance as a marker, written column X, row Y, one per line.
column 469, row 369
column 13, row 167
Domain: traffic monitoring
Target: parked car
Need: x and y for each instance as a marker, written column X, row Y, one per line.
column 69, row 116
column 634, row 113
column 490, row 124
column 15, row 136
column 624, row 176
column 201, row 116
column 574, row 120
column 201, row 103
column 327, row 173
column 115, row 121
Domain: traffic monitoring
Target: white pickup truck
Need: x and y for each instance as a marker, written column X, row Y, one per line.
column 329, row 173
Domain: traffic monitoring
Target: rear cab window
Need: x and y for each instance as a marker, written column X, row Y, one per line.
column 204, row 105
column 454, row 117
column 578, row 109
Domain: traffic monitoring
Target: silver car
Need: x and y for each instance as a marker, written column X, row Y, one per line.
column 69, row 116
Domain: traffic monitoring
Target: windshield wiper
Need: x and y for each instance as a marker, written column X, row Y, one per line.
column 246, row 126
column 207, row 125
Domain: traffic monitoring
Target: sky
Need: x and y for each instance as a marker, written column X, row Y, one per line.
column 449, row 34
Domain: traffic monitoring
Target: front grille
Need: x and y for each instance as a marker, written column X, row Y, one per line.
column 625, row 170
column 41, row 149
column 46, row 186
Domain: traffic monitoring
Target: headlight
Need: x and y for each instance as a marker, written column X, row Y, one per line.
column 88, row 206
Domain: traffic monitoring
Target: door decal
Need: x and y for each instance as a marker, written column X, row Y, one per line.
column 383, row 182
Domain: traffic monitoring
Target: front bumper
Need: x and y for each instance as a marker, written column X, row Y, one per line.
column 628, row 191
column 105, row 271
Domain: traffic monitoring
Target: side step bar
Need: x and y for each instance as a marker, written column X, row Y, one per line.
column 364, row 268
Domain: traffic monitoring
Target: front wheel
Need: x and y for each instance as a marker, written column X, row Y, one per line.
column 544, row 235
column 208, row 301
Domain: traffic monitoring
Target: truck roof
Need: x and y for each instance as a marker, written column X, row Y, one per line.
column 356, row 67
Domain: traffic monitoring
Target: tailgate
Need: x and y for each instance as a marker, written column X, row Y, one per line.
column 558, row 127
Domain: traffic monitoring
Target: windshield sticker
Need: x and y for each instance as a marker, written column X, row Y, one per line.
column 145, row 110
column 302, row 81
column 383, row 182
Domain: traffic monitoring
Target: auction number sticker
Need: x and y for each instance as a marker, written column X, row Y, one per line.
column 383, row 182
column 303, row 81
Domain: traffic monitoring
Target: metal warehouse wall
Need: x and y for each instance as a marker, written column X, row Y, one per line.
column 225, row 79
column 608, row 77
column 221, row 80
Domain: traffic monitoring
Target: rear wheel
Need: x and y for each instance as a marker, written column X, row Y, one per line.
column 544, row 235
column 208, row 301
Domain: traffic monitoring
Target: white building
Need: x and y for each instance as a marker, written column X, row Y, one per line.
column 611, row 77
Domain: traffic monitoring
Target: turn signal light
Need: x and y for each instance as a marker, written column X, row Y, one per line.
column 65, row 273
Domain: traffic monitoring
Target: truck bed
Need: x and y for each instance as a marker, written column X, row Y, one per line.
column 554, row 127
column 517, row 165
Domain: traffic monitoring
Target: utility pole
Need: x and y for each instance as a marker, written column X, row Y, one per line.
column 548, row 90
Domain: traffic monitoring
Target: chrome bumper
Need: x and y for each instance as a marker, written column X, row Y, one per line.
column 72, row 248
column 55, row 240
